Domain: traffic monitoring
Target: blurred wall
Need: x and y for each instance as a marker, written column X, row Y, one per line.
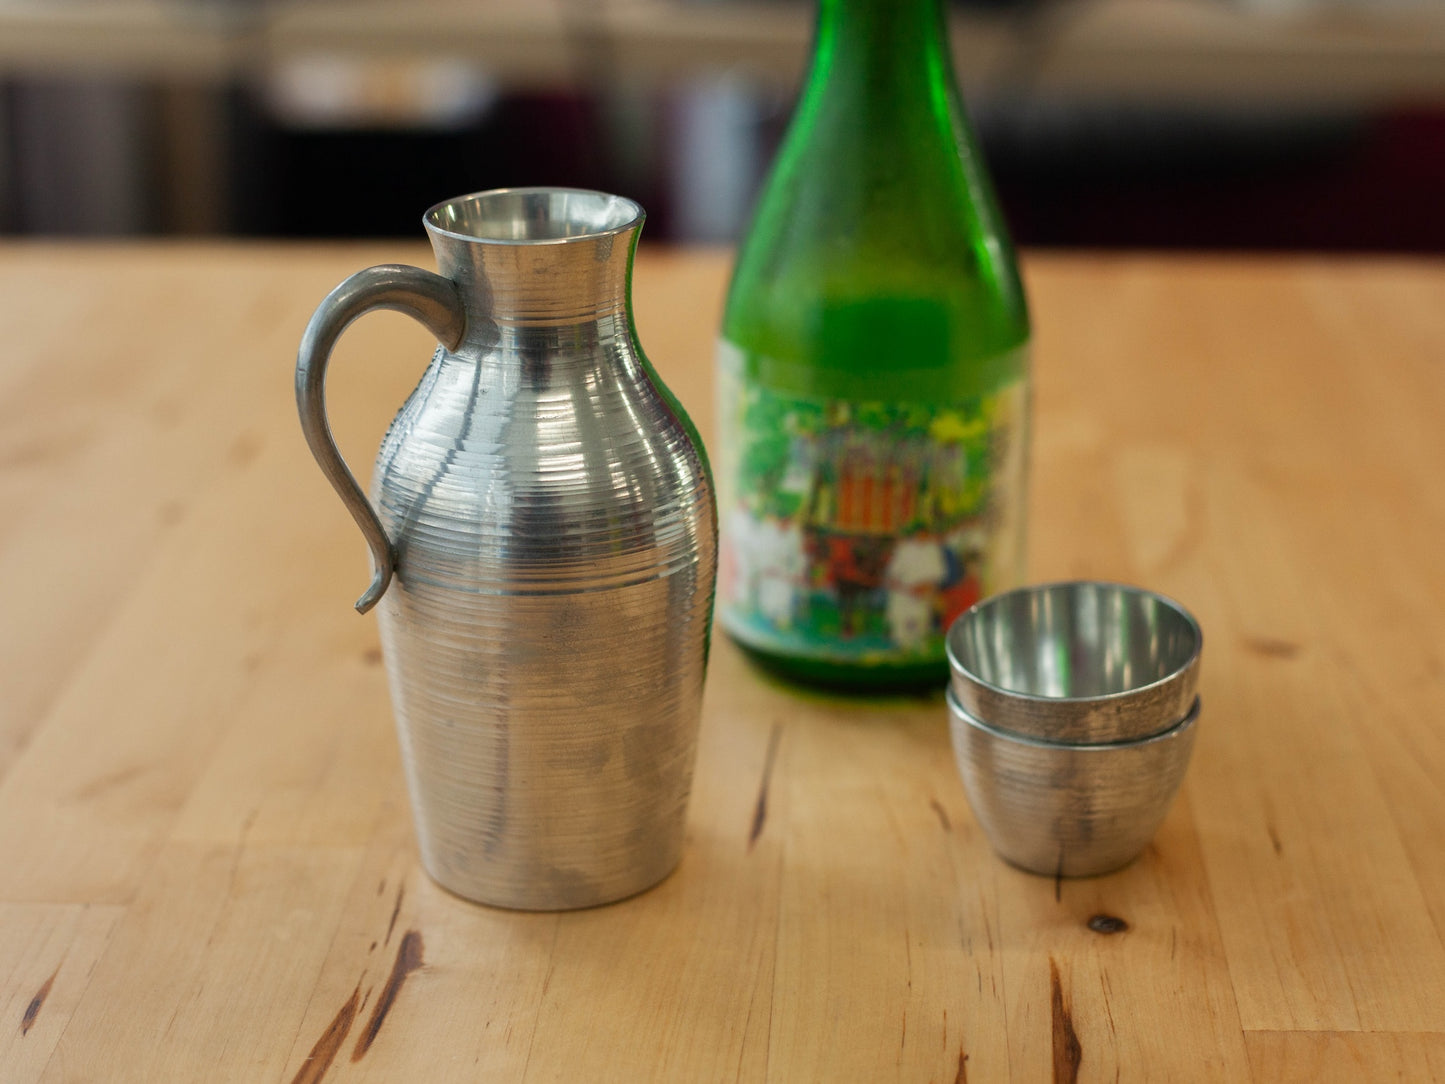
column 1159, row 123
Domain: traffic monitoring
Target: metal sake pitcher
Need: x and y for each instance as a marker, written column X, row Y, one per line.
column 544, row 535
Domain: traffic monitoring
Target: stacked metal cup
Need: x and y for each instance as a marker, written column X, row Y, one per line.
column 1073, row 712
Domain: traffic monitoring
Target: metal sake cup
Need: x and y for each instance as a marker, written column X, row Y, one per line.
column 1065, row 809
column 1078, row 661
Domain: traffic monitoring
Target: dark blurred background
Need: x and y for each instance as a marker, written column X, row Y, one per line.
column 1241, row 124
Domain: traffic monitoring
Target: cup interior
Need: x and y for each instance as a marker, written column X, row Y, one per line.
column 1074, row 640
column 531, row 215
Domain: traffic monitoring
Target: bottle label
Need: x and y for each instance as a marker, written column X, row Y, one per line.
column 855, row 532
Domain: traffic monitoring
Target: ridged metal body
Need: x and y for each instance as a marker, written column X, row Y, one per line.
column 1066, row 809
column 554, row 535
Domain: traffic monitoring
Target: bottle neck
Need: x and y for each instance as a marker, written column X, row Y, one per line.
column 891, row 50
column 540, row 285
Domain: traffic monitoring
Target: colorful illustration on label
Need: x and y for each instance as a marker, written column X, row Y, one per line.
column 859, row 531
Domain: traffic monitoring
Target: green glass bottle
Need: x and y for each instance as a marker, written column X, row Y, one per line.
column 872, row 370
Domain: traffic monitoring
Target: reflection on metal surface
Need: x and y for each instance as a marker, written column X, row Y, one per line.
column 1079, row 661
column 1066, row 809
column 554, row 535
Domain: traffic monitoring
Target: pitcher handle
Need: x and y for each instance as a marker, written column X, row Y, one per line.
column 426, row 297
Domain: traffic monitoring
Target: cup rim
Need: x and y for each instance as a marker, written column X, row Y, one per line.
column 635, row 215
column 1174, row 730
column 958, row 668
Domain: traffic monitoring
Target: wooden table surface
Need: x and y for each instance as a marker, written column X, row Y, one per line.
column 206, row 863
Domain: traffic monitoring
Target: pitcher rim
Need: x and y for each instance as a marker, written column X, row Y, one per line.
column 633, row 222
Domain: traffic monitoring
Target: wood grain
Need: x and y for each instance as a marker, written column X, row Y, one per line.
column 206, row 862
